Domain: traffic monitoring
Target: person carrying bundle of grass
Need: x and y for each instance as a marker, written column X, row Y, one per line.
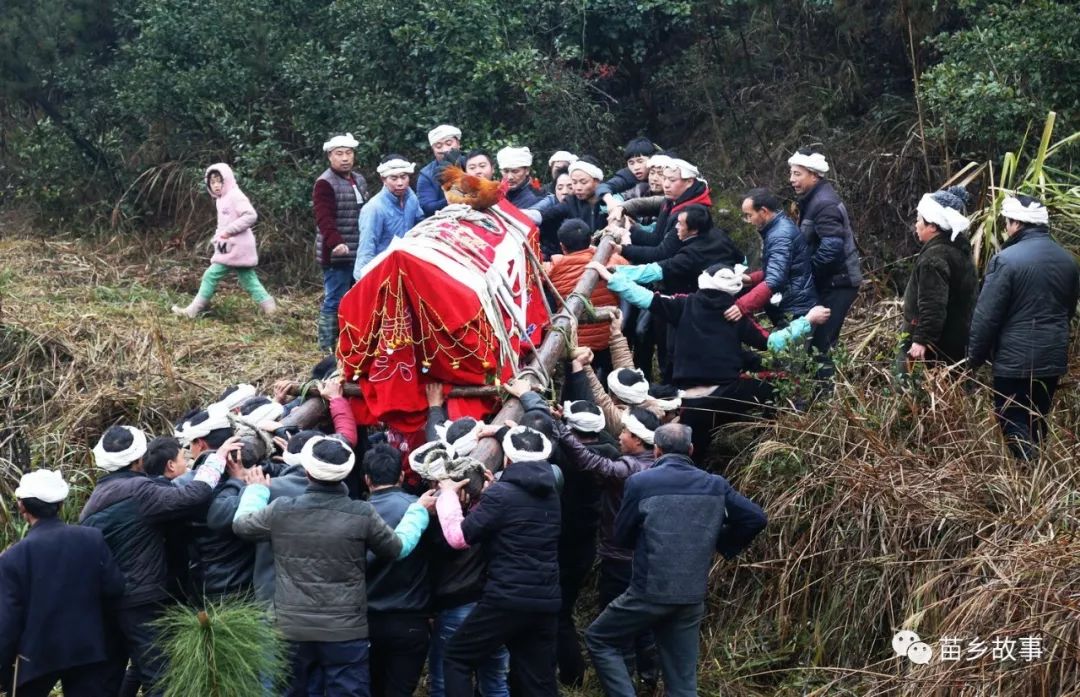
column 234, row 245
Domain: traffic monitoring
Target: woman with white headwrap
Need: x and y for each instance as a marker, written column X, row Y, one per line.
column 1022, row 321
column 940, row 294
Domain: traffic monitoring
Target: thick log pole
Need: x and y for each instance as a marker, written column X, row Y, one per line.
column 551, row 351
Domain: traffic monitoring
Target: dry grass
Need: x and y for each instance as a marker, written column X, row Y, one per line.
column 87, row 340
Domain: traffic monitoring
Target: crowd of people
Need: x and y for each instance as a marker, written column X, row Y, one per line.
column 379, row 557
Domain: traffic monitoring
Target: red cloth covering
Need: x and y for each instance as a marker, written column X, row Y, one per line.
column 409, row 321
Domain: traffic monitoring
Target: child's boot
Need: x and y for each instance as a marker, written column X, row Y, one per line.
column 197, row 306
column 268, row 306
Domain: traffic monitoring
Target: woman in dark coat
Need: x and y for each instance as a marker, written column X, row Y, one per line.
column 940, row 295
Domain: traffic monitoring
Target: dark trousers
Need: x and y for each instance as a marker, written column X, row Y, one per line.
column 80, row 681
column 726, row 404
column 399, row 647
column 330, row 668
column 576, row 556
column 676, row 629
column 1021, row 406
column 638, row 651
column 136, row 640
column 838, row 300
column 530, row 638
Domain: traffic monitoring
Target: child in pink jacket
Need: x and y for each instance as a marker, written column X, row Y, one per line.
column 234, row 244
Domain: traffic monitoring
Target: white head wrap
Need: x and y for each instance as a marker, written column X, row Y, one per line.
column 441, row 133
column 395, row 166
column 946, row 218
column 666, row 404
column 241, row 394
column 815, row 162
column 584, row 421
column 590, row 169
column 515, row 455
column 510, row 158
column 290, row 459
column 111, row 461
column 345, row 141
column 271, row 411
column 433, row 469
column 686, row 170
column 728, row 280
column 628, row 394
column 325, row 471
column 217, row 417
column 562, row 156
column 44, row 485
column 465, row 443
column 660, row 161
column 631, row 423
column 1036, row 213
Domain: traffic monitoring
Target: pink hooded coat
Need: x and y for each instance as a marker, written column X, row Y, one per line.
column 234, row 242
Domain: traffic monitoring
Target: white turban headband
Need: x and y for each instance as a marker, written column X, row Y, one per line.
column 111, row 461
column 241, row 394
column 584, row 421
column 43, row 485
column 1036, row 213
column 466, row 442
column 515, row 455
column 562, row 156
column 271, row 411
column 946, row 218
column 441, row 133
column 510, row 158
column 345, row 141
column 218, row 417
column 686, row 170
column 590, row 169
column 628, row 394
column 667, row 404
column 728, row 280
column 660, row 161
column 814, row 162
column 395, row 166
column 631, row 423
column 434, row 470
column 325, row 471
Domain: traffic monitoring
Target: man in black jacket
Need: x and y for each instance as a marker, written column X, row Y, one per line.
column 518, row 519
column 56, row 587
column 676, row 517
column 1021, row 323
column 825, row 224
column 128, row 507
column 515, row 166
column 584, row 204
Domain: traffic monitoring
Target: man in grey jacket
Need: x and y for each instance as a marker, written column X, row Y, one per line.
column 1021, row 323
column 676, row 517
column 320, row 543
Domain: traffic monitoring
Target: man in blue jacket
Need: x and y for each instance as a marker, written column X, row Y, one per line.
column 390, row 213
column 445, row 141
column 671, row 566
column 824, row 222
column 399, row 590
column 785, row 264
column 55, row 587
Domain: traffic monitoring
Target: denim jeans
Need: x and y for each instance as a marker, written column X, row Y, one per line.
column 336, row 283
column 330, row 668
column 490, row 677
column 675, row 628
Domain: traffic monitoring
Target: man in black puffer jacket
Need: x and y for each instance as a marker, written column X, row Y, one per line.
column 1021, row 323
column 518, row 520
column 824, row 222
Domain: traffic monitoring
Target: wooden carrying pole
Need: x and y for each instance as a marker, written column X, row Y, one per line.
column 545, row 359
